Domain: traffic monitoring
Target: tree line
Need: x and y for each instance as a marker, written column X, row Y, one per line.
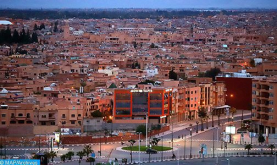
column 15, row 37
column 111, row 14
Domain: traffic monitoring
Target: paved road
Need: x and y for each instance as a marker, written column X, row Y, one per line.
column 109, row 150
column 222, row 161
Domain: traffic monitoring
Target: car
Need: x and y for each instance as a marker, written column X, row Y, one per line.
column 151, row 151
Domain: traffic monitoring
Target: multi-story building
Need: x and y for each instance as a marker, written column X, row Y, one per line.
column 264, row 99
column 132, row 105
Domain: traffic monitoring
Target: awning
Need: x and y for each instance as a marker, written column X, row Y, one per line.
column 221, row 107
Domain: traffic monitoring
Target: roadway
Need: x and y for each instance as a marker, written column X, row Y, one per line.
column 179, row 129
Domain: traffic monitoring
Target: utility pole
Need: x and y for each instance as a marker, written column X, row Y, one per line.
column 146, row 123
column 190, row 155
column 100, row 146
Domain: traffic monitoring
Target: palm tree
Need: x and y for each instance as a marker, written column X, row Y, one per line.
column 63, row 157
column 248, row 147
column 80, row 154
column 69, row 155
column 233, row 110
column 51, row 155
column 87, row 150
column 91, row 159
column 155, row 141
column 132, row 142
column 271, row 146
column 202, row 114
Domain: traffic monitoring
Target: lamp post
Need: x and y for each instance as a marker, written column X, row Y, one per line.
column 216, row 145
column 100, row 145
column 162, row 148
column 212, row 117
column 185, row 147
column 190, row 155
column 178, row 158
column 197, row 122
column 139, row 146
column 146, row 123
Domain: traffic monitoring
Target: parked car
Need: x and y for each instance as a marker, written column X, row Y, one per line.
column 151, row 151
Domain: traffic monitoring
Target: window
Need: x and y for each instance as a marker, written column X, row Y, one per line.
column 3, row 115
column 3, row 122
column 63, row 115
column 79, row 115
column 72, row 115
column 271, row 87
column 191, row 92
column 270, row 117
column 63, row 122
column 52, row 123
column 271, row 102
column 254, row 85
column 79, row 122
column 20, row 115
column 191, row 105
column 43, row 123
column 253, row 92
column 72, row 122
column 28, row 115
column 43, row 116
column 21, row 121
column 271, row 95
column 271, row 109
column 254, row 100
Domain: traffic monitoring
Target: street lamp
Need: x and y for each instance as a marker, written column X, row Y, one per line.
column 139, row 146
column 185, row 147
column 190, row 155
column 100, row 145
column 197, row 122
column 178, row 159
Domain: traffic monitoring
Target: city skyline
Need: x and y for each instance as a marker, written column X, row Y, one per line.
column 176, row 4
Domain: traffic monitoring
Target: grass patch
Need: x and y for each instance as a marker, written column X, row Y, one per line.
column 143, row 148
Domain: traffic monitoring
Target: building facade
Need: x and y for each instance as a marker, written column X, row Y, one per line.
column 264, row 114
column 132, row 105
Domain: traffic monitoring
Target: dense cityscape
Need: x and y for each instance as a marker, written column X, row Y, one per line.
column 138, row 86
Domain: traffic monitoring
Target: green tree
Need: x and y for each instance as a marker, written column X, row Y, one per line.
column 91, row 160
column 202, row 114
column 132, row 142
column 142, row 129
column 261, row 138
column 80, row 154
column 173, row 75
column 15, row 37
column 248, row 147
column 271, row 147
column 233, row 110
column 87, row 150
column 135, row 45
column 34, row 37
column 252, row 63
column 56, row 27
column 69, row 155
column 212, row 73
column 155, row 141
column 51, row 155
column 42, row 26
column 97, row 113
column 63, row 157
column 35, row 27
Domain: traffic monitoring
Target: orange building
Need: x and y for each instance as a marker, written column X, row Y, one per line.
column 132, row 105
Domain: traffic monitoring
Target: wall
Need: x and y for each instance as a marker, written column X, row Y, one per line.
column 239, row 92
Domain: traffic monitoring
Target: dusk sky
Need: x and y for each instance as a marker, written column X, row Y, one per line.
column 138, row 3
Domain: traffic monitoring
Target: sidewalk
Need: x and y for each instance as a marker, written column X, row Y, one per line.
column 186, row 124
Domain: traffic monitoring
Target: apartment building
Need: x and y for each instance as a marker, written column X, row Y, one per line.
column 264, row 99
column 132, row 105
